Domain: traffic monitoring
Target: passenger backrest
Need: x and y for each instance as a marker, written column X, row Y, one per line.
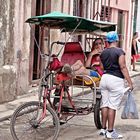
column 72, row 52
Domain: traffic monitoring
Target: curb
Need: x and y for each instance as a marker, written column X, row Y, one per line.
column 5, row 118
column 135, row 75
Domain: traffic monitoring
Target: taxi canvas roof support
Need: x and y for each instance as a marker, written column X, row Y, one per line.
column 68, row 23
column 71, row 24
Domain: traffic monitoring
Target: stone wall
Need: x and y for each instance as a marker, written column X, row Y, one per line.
column 15, row 39
column 7, row 70
column 6, row 32
column 14, row 48
column 22, row 44
column 7, row 83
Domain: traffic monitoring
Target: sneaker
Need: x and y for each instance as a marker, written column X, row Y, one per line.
column 113, row 135
column 102, row 132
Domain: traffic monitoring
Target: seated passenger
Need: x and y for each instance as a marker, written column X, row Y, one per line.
column 92, row 66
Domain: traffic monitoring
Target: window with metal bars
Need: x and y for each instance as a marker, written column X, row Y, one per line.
column 105, row 13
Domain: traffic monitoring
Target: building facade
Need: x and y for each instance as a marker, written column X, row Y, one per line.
column 20, row 62
column 138, row 19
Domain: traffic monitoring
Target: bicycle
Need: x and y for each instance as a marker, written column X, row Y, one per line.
column 41, row 119
column 33, row 118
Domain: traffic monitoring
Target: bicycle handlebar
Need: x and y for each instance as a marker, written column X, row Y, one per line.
column 61, row 43
column 57, row 42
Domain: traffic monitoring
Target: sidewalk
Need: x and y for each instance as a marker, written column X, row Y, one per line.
column 7, row 109
column 135, row 73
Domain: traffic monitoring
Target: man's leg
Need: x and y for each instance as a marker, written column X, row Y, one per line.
column 111, row 133
column 111, row 118
column 104, row 104
column 133, row 63
column 104, row 113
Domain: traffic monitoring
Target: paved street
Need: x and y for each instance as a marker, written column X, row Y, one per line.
column 83, row 128
column 41, row 91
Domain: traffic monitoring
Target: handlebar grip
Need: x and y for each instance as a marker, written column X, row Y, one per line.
column 61, row 43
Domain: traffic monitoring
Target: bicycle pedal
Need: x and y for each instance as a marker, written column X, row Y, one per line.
column 62, row 122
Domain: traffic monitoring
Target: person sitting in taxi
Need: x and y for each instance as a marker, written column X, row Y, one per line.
column 92, row 66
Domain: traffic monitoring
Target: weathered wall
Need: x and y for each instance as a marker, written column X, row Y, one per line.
column 138, row 19
column 120, row 4
column 22, row 44
column 7, row 83
column 55, row 36
column 6, row 30
column 127, row 25
column 15, row 43
column 14, row 48
column 7, row 70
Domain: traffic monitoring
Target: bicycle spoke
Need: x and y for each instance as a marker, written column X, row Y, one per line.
column 25, row 126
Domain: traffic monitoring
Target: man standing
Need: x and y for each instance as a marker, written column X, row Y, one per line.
column 112, row 84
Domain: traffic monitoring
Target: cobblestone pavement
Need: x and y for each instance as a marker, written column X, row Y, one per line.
column 83, row 128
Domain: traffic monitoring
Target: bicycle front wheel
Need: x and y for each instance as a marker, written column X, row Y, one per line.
column 24, row 123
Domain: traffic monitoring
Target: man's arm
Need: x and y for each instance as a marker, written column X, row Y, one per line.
column 124, row 70
column 91, row 54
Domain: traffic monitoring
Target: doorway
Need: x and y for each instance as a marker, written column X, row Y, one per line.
column 39, row 7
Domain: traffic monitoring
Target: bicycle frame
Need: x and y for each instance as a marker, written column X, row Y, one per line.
column 46, row 97
column 64, row 91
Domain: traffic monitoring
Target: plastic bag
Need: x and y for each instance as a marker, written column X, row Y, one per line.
column 130, row 109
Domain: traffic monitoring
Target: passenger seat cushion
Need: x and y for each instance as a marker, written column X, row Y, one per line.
column 72, row 52
column 71, row 58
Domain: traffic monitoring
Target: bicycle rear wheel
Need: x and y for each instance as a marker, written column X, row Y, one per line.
column 97, row 114
column 24, row 124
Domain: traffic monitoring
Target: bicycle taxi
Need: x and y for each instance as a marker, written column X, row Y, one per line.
column 41, row 119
